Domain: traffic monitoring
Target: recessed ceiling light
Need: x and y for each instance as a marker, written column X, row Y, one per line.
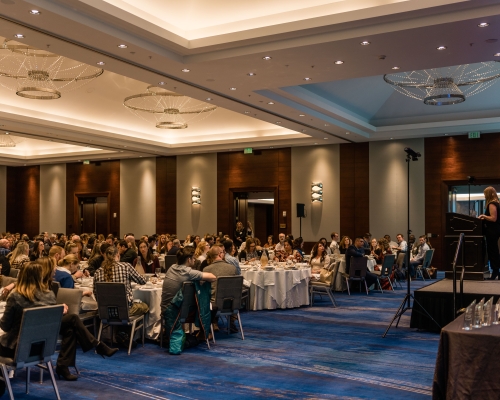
column 483, row 25
column 395, row 67
column 267, row 58
column 208, row 99
column 365, row 43
column 325, row 138
column 101, row 63
column 6, row 133
column 251, row 74
column 122, row 46
column 497, row 54
column 186, row 70
column 327, row 125
column 347, row 133
column 161, row 83
column 247, row 112
column 339, row 62
column 270, row 102
column 35, row 12
column 307, row 79
column 278, row 122
column 301, row 115
column 441, row 47
column 233, row 88
column 19, row 36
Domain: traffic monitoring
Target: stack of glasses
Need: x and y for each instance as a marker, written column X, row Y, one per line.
column 481, row 314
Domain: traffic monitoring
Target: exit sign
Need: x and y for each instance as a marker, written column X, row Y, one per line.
column 248, row 150
column 474, row 135
column 86, row 162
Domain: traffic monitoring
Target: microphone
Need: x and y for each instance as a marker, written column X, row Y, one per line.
column 412, row 153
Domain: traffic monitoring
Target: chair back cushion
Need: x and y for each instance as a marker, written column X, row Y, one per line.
column 387, row 265
column 401, row 260
column 169, row 261
column 428, row 258
column 38, row 334
column 14, row 272
column 189, row 301
column 55, row 286
column 358, row 267
column 334, row 275
column 228, row 294
column 112, row 303
column 71, row 297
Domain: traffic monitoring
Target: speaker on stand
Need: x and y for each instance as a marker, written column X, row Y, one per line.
column 301, row 213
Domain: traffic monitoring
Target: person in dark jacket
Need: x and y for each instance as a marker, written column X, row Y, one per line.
column 127, row 254
column 95, row 262
column 358, row 250
column 5, row 265
column 175, row 248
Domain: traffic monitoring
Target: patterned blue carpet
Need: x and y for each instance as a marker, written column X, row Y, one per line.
column 315, row 352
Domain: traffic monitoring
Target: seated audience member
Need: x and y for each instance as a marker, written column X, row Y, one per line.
column 176, row 244
column 325, row 245
column 358, row 250
column 146, row 259
column 56, row 253
column 131, row 242
column 71, row 248
column 96, row 262
column 81, row 250
column 383, row 248
column 31, row 291
column 230, row 249
column 392, row 243
column 5, row 265
column 373, row 246
column 65, row 270
column 298, row 245
column 280, row 246
column 38, row 250
column 334, row 245
column 218, row 267
column 110, row 239
column 345, row 243
column 411, row 242
column 61, row 240
column 319, row 258
column 152, row 244
column 162, row 245
column 269, row 245
column 179, row 273
column 127, row 255
column 114, row 271
column 367, row 238
column 19, row 257
column 250, row 252
column 402, row 245
column 288, row 253
column 200, row 253
column 418, row 259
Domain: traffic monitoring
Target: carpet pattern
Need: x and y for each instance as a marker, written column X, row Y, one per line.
column 315, row 352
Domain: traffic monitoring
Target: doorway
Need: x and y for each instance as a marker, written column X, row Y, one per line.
column 93, row 212
column 256, row 209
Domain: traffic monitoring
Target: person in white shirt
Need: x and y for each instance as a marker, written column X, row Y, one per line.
column 402, row 245
column 281, row 245
column 419, row 258
column 334, row 245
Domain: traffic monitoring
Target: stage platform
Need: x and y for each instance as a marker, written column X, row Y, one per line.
column 437, row 299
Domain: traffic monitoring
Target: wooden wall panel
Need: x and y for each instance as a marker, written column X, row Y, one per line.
column 166, row 194
column 23, row 200
column 270, row 168
column 95, row 180
column 448, row 161
column 354, row 189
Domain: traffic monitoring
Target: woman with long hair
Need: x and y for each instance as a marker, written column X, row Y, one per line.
column 38, row 250
column 319, row 258
column 287, row 253
column 19, row 257
column 239, row 235
column 200, row 253
column 491, row 217
column 373, row 246
column 383, row 248
column 162, row 244
column 147, row 260
column 269, row 245
column 298, row 244
column 344, row 244
column 30, row 292
column 250, row 252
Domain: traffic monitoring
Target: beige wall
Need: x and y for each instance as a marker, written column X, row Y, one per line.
column 316, row 164
column 3, row 198
column 137, row 196
column 196, row 170
column 388, row 188
column 53, row 198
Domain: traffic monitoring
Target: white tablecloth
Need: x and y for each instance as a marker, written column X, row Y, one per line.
column 152, row 320
column 278, row 289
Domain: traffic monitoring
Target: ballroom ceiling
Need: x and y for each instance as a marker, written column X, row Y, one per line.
column 218, row 49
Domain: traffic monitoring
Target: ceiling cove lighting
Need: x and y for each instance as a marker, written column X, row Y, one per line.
column 365, row 43
column 35, row 12
column 483, row 24
column 270, row 102
column 195, row 195
column 233, row 88
column 100, row 63
column 307, row 79
column 316, row 192
column 161, row 83
column 122, row 46
column 185, row 70
column 251, row 74
column 395, row 67
column 339, row 62
column 267, row 58
column 440, row 48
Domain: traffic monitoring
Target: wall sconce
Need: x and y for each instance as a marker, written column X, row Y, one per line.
column 317, row 192
column 195, row 195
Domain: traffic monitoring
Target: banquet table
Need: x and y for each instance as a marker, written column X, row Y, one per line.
column 278, row 288
column 466, row 363
column 152, row 297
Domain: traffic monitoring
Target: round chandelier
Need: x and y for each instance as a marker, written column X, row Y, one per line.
column 41, row 75
column 167, row 109
column 6, row 140
column 445, row 86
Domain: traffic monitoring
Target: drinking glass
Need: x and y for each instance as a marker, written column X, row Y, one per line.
column 242, row 261
column 496, row 312
column 157, row 272
column 468, row 319
column 478, row 314
column 487, row 314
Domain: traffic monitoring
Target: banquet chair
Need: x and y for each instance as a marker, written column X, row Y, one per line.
column 112, row 306
column 7, row 280
column 36, row 344
column 426, row 264
column 14, row 272
column 317, row 287
column 400, row 262
column 55, row 286
column 228, row 300
column 169, row 261
column 357, row 272
column 385, row 271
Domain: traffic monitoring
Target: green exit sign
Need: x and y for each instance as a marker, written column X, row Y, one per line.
column 86, row 161
column 474, row 135
column 248, row 150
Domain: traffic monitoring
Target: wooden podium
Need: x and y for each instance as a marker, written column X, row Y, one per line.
column 474, row 246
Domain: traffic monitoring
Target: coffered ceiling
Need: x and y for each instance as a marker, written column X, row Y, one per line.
column 268, row 66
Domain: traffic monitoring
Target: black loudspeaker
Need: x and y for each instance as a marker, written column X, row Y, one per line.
column 301, row 211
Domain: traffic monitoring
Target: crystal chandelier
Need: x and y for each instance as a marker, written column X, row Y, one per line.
column 6, row 140
column 39, row 74
column 445, row 86
column 166, row 109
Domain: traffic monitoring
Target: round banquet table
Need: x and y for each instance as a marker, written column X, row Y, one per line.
column 278, row 288
column 152, row 297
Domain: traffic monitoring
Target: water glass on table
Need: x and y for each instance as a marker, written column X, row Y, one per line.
column 157, row 272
